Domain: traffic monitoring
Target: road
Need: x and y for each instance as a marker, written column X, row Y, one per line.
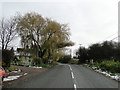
column 68, row 76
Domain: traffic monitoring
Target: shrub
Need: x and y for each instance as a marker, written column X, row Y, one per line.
column 65, row 59
column 7, row 55
column 111, row 66
column 36, row 61
column 73, row 62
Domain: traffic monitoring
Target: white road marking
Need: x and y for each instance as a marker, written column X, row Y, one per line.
column 75, row 87
column 72, row 75
column 70, row 67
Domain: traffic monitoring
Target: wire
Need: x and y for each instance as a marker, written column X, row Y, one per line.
column 114, row 38
column 110, row 36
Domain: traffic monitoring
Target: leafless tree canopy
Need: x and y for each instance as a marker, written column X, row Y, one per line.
column 7, row 32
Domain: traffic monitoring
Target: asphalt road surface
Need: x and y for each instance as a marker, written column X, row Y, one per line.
column 68, row 76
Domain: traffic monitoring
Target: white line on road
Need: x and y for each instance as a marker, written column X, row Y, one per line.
column 75, row 87
column 70, row 67
column 72, row 75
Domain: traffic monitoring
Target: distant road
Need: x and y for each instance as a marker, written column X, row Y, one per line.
column 68, row 76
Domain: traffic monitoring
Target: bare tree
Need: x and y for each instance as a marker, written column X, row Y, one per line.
column 7, row 32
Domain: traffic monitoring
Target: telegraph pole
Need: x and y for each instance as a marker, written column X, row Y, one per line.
column 118, row 22
column 80, row 45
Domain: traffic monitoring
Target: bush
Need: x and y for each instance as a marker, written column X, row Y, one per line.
column 7, row 55
column 110, row 66
column 65, row 59
column 36, row 61
column 73, row 62
column 96, row 64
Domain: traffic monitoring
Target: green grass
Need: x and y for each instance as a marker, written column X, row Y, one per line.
column 12, row 68
column 47, row 65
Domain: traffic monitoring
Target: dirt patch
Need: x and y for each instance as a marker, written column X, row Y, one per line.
column 30, row 73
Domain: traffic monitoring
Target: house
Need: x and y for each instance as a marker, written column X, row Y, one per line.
column 23, row 57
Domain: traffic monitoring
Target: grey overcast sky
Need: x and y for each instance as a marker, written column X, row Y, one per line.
column 90, row 21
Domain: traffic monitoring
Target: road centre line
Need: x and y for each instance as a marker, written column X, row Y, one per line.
column 72, row 75
column 70, row 67
column 75, row 87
